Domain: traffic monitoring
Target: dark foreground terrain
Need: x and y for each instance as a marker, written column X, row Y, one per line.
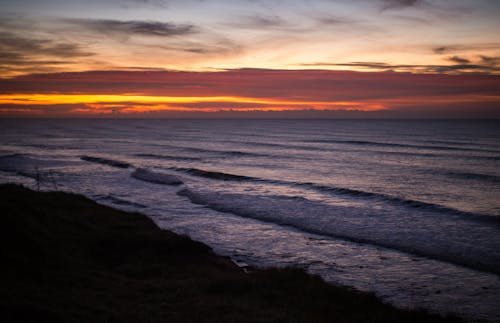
column 66, row 258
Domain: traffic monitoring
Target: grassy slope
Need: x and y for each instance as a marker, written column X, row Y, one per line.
column 68, row 259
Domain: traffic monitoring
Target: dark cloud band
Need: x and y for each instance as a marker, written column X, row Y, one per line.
column 139, row 27
column 461, row 65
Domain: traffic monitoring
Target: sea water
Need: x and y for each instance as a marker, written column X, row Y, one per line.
column 409, row 210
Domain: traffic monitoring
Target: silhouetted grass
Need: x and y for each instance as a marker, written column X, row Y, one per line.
column 67, row 259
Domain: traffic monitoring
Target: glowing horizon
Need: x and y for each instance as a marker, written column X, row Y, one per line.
column 246, row 91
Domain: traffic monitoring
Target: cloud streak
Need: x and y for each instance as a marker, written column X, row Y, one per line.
column 451, row 49
column 461, row 65
column 19, row 53
column 258, row 22
column 135, row 27
column 459, row 60
column 399, row 4
column 14, row 44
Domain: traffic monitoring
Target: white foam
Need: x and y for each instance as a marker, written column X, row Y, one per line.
column 448, row 238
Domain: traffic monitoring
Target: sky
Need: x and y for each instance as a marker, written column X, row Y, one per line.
column 250, row 58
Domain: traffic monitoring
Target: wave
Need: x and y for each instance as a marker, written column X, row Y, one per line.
column 336, row 191
column 165, row 157
column 396, row 200
column 13, row 155
column 42, row 146
column 427, row 154
column 15, row 158
column 401, row 153
column 475, row 176
column 119, row 201
column 323, row 149
column 154, row 177
column 495, row 158
column 225, row 153
column 282, row 146
column 214, row 175
column 215, row 151
column 240, row 153
column 398, row 145
column 278, row 145
column 490, row 145
column 459, row 241
column 105, row 161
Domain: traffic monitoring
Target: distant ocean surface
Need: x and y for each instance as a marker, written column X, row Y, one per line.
column 409, row 210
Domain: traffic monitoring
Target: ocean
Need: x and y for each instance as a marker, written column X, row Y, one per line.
column 408, row 210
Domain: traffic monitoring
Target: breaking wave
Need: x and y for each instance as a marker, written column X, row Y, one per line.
column 439, row 238
column 333, row 190
column 154, row 177
column 105, row 161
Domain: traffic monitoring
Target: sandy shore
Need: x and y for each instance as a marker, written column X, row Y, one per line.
column 68, row 259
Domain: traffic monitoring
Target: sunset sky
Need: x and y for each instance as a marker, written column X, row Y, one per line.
column 250, row 58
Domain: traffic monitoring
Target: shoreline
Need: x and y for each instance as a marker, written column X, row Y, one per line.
column 70, row 259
